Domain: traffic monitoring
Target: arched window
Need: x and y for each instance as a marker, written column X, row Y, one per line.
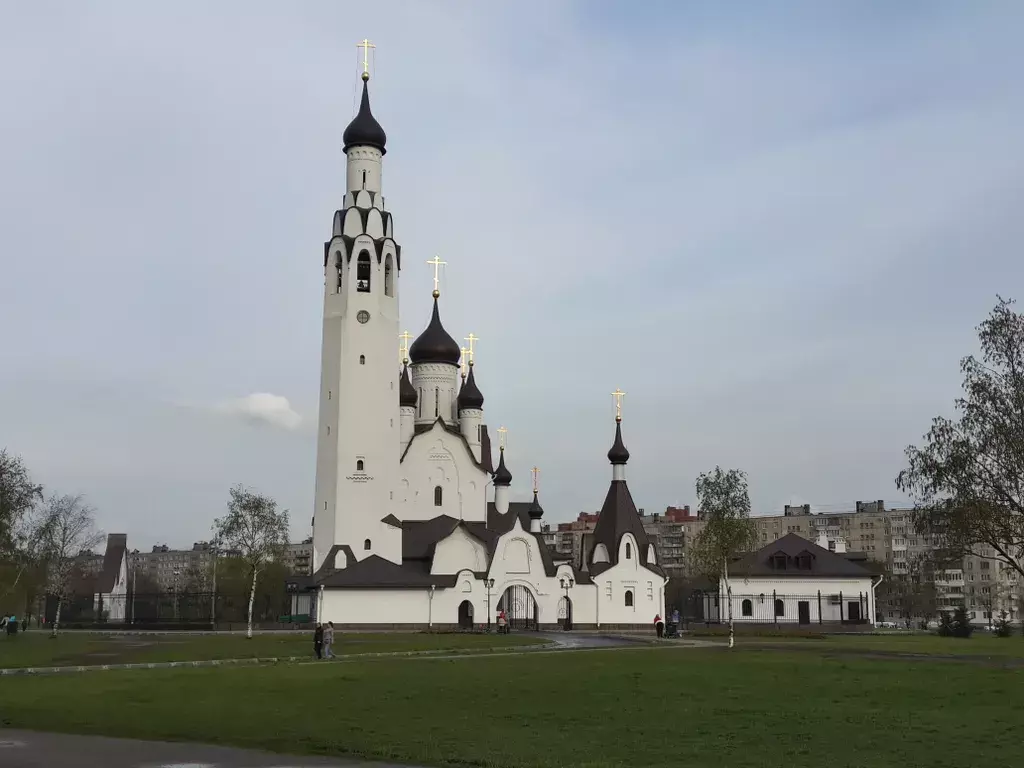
column 362, row 359
column 780, row 608
column 389, row 277
column 363, row 273
column 359, row 465
column 364, row 179
column 629, row 598
column 437, row 403
column 437, row 495
column 339, row 265
column 747, row 608
column 629, row 551
column 366, row 544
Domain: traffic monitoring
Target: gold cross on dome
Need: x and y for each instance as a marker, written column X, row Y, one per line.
column 366, row 45
column 403, row 346
column 472, row 339
column 618, row 394
column 462, row 361
column 436, row 263
column 535, row 471
column 501, row 438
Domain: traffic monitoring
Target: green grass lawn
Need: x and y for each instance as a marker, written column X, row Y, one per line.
column 36, row 649
column 635, row 707
column 982, row 645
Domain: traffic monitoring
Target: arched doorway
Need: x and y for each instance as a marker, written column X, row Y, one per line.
column 565, row 613
column 520, row 607
column 465, row 615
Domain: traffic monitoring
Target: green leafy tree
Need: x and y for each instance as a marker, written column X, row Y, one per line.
column 724, row 504
column 967, row 481
column 18, row 498
column 255, row 529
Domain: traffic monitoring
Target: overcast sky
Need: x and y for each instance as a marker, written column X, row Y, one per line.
column 774, row 225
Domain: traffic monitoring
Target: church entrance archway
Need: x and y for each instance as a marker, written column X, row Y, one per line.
column 465, row 615
column 565, row 613
column 520, row 607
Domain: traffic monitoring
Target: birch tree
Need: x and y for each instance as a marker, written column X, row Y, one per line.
column 18, row 498
column 255, row 529
column 724, row 503
column 70, row 529
column 967, row 480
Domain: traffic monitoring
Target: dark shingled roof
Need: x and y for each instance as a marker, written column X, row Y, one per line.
column 618, row 517
column 364, row 130
column 406, row 391
column 392, row 521
column 117, row 546
column 824, row 563
column 470, row 395
column 434, row 345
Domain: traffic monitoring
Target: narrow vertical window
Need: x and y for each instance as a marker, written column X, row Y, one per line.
column 339, row 266
column 359, row 465
column 437, row 495
column 328, row 394
column 364, row 187
column 363, row 273
column 437, row 403
column 366, row 544
column 629, row 551
column 389, row 277
column 362, row 359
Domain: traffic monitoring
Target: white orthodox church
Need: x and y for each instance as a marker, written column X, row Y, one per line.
column 413, row 526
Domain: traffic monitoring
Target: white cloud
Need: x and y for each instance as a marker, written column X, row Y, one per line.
column 265, row 408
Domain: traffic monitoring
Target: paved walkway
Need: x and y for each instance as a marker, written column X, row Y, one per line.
column 28, row 749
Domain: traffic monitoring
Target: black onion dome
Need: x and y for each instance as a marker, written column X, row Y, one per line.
column 470, row 395
column 535, row 511
column 434, row 345
column 364, row 130
column 406, row 392
column 618, row 453
column 502, row 476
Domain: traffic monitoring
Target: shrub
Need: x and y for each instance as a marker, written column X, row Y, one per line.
column 1003, row 628
column 946, row 624
column 961, row 624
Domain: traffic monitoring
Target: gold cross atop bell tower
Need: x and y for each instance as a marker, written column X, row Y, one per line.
column 403, row 346
column 501, row 438
column 535, row 471
column 366, row 45
column 618, row 394
column 436, row 263
column 472, row 339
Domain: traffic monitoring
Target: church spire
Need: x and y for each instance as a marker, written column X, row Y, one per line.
column 618, row 455
column 364, row 130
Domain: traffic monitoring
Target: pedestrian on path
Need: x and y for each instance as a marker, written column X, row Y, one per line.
column 659, row 625
column 318, row 640
column 328, row 640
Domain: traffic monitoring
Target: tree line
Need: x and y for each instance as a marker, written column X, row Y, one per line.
column 43, row 538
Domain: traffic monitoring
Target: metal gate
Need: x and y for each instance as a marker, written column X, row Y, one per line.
column 565, row 613
column 520, row 607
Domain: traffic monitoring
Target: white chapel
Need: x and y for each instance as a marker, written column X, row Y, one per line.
column 413, row 526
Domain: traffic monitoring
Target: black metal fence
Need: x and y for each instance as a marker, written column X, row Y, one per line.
column 167, row 609
column 711, row 607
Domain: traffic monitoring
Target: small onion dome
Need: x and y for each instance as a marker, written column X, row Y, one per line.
column 618, row 453
column 434, row 345
column 470, row 396
column 406, row 392
column 535, row 511
column 502, row 476
column 364, row 130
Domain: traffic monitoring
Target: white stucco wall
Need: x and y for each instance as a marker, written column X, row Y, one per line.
column 629, row 576
column 439, row 458
column 793, row 591
column 459, row 551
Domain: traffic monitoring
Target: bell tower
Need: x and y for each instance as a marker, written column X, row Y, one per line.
column 358, row 437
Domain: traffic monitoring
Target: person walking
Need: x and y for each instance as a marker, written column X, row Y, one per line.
column 659, row 625
column 328, row 640
column 318, row 640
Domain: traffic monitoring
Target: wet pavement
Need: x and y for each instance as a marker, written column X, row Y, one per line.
column 27, row 749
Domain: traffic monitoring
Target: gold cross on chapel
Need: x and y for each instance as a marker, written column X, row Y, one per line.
column 462, row 361
column 501, row 438
column 436, row 263
column 535, row 471
column 472, row 339
column 618, row 394
column 403, row 346
column 366, row 45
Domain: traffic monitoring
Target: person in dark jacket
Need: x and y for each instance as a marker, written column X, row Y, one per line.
column 318, row 640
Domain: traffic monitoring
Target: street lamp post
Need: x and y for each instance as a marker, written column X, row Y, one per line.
column 567, row 585
column 135, row 571
column 489, row 583
column 213, row 597
column 175, row 593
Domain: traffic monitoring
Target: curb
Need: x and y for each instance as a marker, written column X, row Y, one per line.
column 25, row 671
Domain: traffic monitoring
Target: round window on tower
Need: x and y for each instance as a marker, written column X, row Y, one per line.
column 363, row 316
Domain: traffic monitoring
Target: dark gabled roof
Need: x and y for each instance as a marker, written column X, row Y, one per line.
column 502, row 523
column 375, row 571
column 419, row 537
column 406, row 391
column 117, row 547
column 391, row 520
column 618, row 516
column 470, row 396
column 434, row 345
column 364, row 130
column 485, row 442
column 824, row 563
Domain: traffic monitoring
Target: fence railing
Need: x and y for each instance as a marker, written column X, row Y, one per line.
column 837, row 607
